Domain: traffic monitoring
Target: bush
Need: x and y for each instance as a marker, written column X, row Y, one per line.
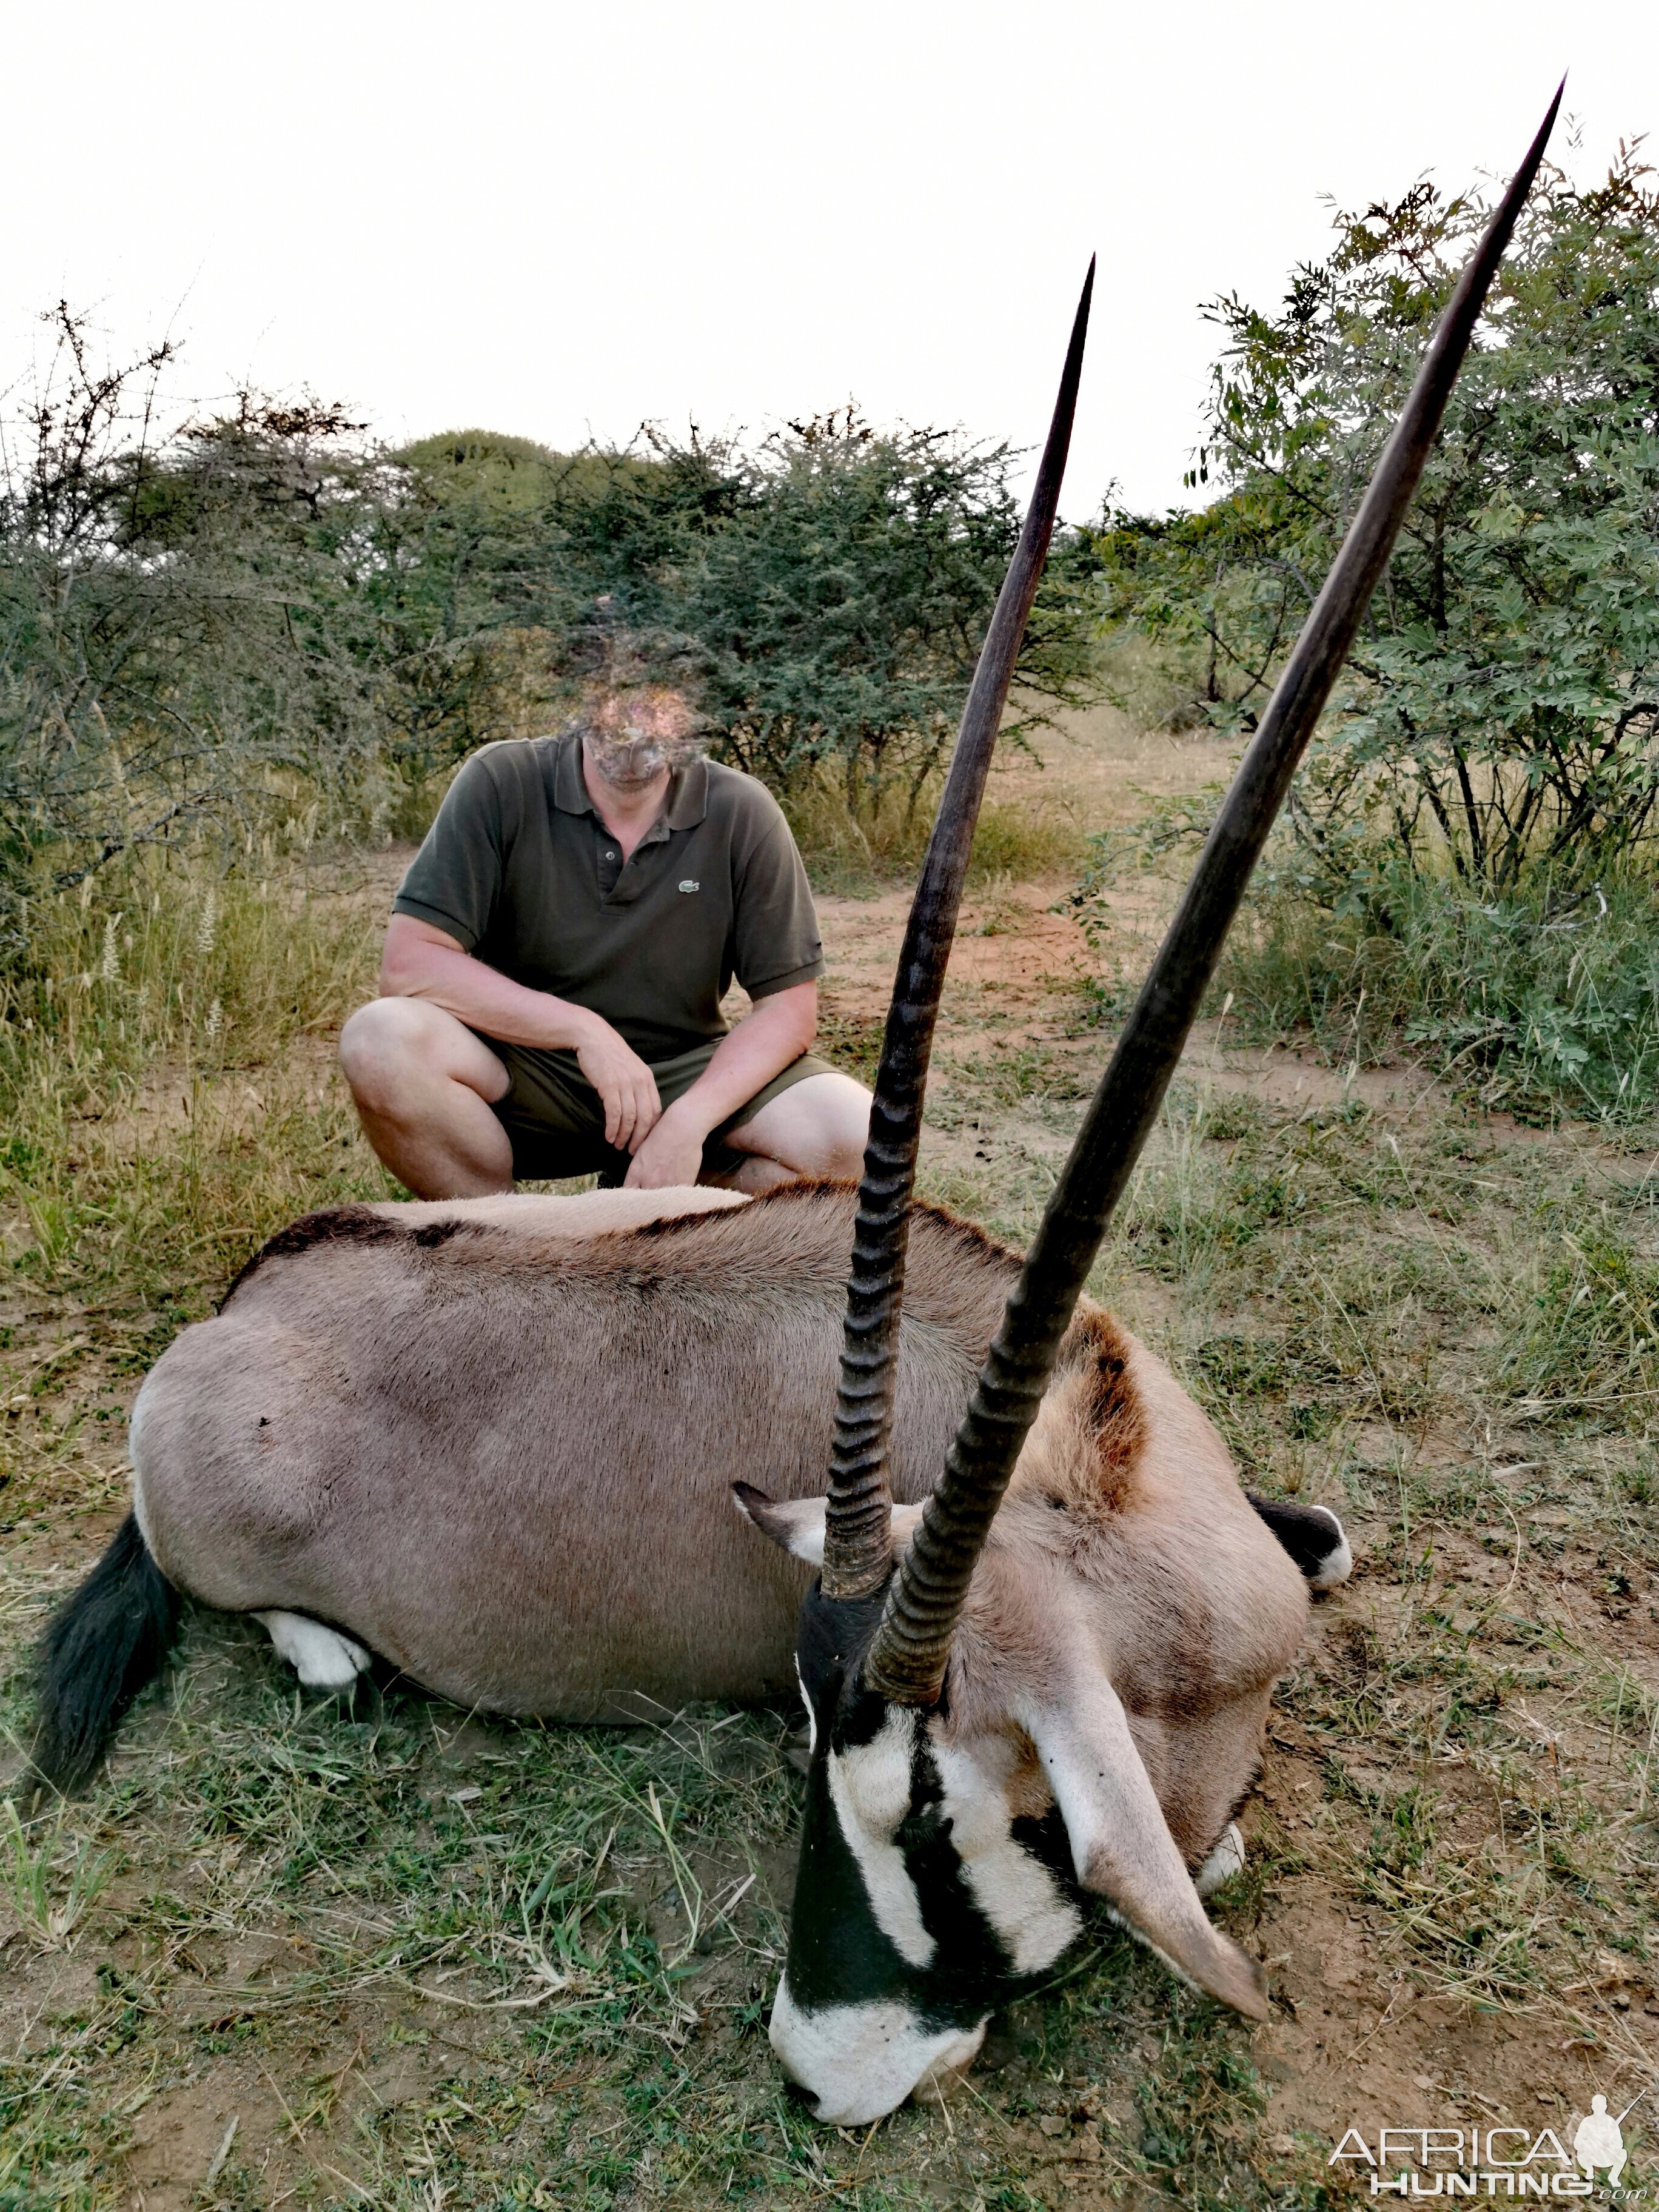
column 1537, row 1003
column 1542, row 1000
column 1501, row 705
column 177, row 636
column 260, row 616
column 1467, row 856
column 831, row 586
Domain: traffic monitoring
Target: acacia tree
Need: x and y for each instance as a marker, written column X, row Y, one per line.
column 486, row 555
column 172, row 627
column 834, row 582
column 1502, row 707
column 191, row 619
column 842, row 607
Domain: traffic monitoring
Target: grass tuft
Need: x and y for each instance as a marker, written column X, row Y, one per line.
column 857, row 847
column 1542, row 1004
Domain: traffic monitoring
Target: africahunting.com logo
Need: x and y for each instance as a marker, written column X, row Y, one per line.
column 1494, row 2161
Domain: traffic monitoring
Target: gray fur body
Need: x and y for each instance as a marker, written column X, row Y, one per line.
column 494, row 1441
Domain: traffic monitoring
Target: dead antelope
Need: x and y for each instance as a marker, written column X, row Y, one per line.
column 496, row 1443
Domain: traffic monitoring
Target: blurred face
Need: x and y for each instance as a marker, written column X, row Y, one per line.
column 634, row 739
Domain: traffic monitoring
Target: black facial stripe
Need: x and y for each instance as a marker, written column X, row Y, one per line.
column 831, row 1638
column 838, row 1952
column 1046, row 1841
column 968, row 1957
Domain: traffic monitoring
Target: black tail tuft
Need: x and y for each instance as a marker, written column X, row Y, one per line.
column 101, row 1650
column 1315, row 1539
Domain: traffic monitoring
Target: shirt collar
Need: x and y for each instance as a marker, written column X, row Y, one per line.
column 685, row 806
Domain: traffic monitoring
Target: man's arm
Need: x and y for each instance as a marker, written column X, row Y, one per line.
column 776, row 1032
column 422, row 962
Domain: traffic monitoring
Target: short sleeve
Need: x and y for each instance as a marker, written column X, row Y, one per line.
column 455, row 881
column 775, row 925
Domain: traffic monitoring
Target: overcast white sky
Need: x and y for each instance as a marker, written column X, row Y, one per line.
column 563, row 218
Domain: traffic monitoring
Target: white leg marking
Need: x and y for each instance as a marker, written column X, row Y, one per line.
column 1226, row 1860
column 1337, row 1565
column 322, row 1657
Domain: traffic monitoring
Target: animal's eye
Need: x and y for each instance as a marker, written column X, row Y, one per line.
column 1056, row 1501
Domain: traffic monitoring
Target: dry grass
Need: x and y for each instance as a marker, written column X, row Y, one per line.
column 422, row 1958
column 1022, row 833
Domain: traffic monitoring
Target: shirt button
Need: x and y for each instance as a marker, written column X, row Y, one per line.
column 609, row 856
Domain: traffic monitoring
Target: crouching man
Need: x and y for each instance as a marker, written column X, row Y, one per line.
column 554, row 968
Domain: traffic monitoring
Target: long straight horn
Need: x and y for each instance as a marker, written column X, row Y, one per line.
column 907, row 1659
column 857, row 1557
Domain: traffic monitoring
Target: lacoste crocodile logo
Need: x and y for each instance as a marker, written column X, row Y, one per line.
column 689, row 883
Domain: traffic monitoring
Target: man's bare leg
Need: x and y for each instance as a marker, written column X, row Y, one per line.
column 818, row 1126
column 423, row 1086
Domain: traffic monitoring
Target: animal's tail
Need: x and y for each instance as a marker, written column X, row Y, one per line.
column 99, row 1651
column 1315, row 1539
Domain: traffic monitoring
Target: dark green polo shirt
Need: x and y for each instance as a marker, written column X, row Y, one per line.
column 520, row 871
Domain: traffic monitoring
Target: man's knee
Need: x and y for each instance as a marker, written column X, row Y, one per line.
column 817, row 1127
column 845, row 1126
column 375, row 1047
column 391, row 1042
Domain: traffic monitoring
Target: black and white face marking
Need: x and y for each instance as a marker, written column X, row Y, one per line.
column 921, row 1904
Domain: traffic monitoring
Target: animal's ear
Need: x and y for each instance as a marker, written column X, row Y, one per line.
column 1121, row 1844
column 795, row 1525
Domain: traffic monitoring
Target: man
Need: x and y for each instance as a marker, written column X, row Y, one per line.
column 554, row 968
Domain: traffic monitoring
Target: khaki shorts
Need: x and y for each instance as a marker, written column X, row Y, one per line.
column 553, row 1118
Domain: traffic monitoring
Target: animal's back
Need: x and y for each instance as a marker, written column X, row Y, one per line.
column 502, row 1456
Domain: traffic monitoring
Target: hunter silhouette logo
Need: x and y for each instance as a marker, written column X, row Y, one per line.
column 1600, row 2139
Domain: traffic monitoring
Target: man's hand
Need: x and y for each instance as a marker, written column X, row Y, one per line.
column 627, row 1088
column 672, row 1154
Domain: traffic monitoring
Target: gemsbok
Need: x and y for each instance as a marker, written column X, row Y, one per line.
column 495, row 1443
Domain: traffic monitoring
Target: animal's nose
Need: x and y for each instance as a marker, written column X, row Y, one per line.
column 793, row 2088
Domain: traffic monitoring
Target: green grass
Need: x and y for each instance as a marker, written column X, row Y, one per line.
column 430, row 1960
column 164, row 1082
column 1541, row 1001
column 1544, row 1003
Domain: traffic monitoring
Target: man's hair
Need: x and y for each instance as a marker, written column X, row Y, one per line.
column 633, row 677
column 607, row 655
